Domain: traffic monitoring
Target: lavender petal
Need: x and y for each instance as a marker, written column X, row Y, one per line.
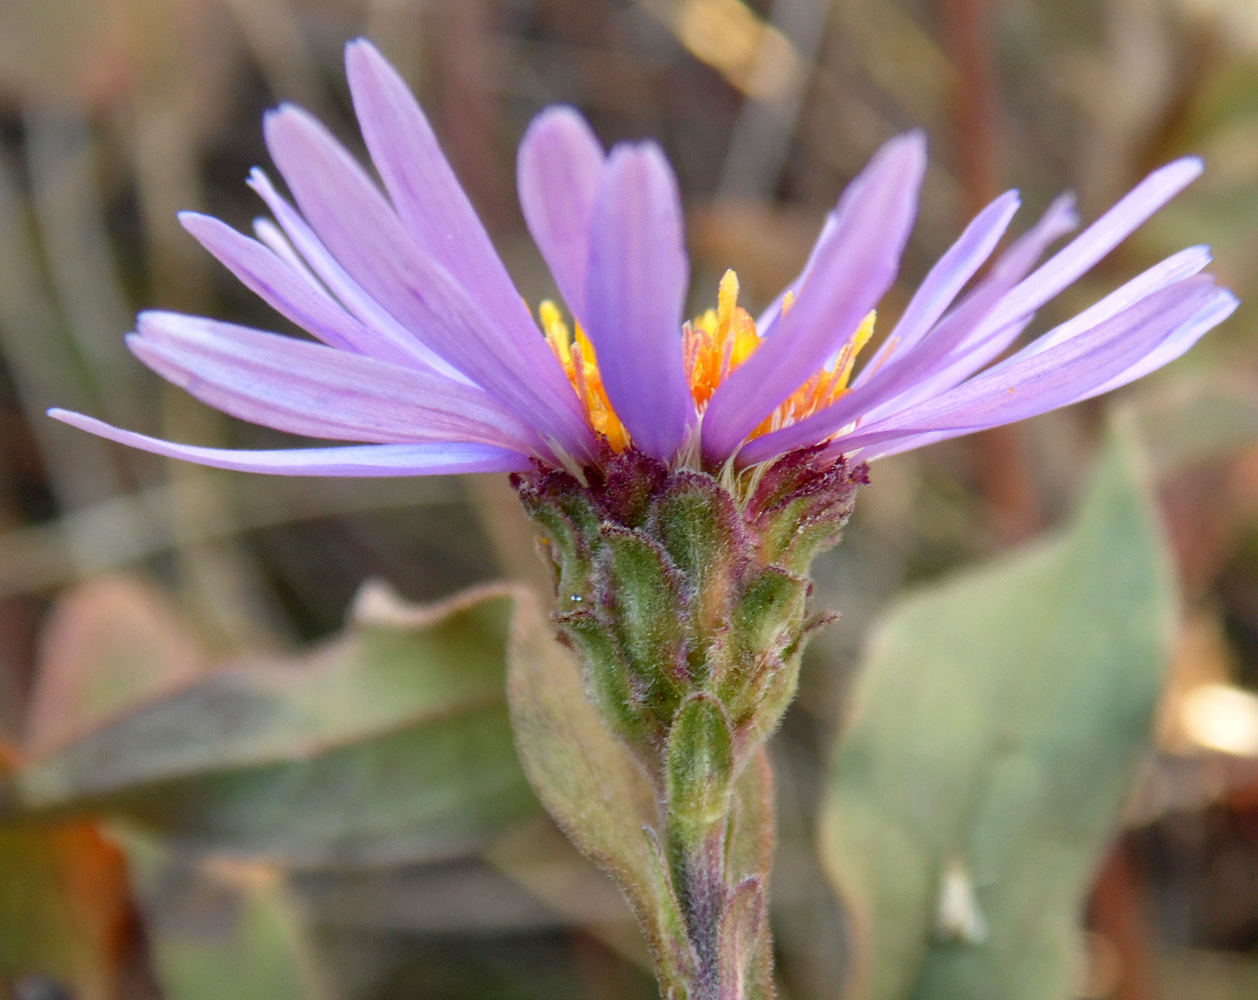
column 425, row 192
column 429, row 459
column 310, row 389
column 768, row 320
column 1031, row 383
column 1095, row 242
column 291, row 293
column 343, row 287
column 557, row 173
column 946, row 279
column 1175, row 268
column 359, row 228
column 1211, row 315
column 634, row 294
column 975, row 352
column 968, row 338
column 855, row 267
column 908, row 376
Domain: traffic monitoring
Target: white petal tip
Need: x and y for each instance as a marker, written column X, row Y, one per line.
column 1190, row 166
column 197, row 223
column 285, row 115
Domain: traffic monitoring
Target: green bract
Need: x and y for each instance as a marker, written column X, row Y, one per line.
column 671, row 584
column 685, row 597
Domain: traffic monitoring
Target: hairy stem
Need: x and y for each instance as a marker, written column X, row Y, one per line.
column 699, row 873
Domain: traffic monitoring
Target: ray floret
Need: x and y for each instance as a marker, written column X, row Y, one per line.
column 429, row 360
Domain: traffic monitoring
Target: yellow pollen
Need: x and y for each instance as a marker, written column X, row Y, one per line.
column 714, row 344
column 576, row 354
column 718, row 342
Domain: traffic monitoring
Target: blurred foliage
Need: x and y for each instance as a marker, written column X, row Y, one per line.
column 247, row 758
column 63, row 906
column 386, row 750
column 217, row 921
column 115, row 114
column 981, row 775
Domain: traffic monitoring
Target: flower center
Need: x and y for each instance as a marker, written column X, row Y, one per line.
column 714, row 344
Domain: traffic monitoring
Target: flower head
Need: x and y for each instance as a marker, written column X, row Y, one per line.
column 428, row 358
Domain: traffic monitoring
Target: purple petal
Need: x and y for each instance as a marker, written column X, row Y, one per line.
column 946, row 279
column 426, row 194
column 310, row 389
column 880, row 444
column 909, row 376
column 348, row 291
column 768, row 319
column 557, row 172
column 1175, row 268
column 1030, row 383
column 429, row 459
column 1211, row 315
column 855, row 267
column 291, row 293
column 957, row 348
column 977, row 350
column 513, row 364
column 1095, row 242
column 634, row 293
column 272, row 237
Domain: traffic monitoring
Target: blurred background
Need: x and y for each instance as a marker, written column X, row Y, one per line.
column 116, row 114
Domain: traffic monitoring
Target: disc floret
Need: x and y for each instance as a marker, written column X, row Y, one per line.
column 715, row 344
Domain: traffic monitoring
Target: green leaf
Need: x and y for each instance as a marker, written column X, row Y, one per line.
column 589, row 781
column 214, row 922
column 391, row 744
column 993, row 736
column 749, row 858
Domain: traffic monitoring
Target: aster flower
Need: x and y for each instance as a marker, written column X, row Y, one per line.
column 429, row 359
column 683, row 583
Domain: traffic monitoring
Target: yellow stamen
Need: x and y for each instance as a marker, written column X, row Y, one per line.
column 576, row 354
column 556, row 331
column 714, row 344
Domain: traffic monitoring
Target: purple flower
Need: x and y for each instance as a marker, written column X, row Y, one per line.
column 429, row 359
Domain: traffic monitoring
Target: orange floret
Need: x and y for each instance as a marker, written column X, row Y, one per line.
column 576, row 354
column 714, row 344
